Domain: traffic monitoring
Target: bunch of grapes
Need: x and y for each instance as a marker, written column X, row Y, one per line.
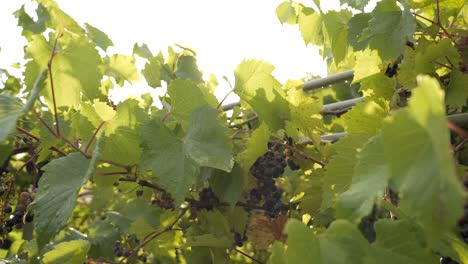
column 208, row 199
column 163, row 200
column 265, row 169
column 366, row 226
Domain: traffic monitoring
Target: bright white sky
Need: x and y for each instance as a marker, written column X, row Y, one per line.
column 222, row 32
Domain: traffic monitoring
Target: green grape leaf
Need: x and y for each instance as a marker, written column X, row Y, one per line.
column 58, row 190
column 407, row 69
column 378, row 85
column 98, row 37
column 457, row 90
column 102, row 235
column 356, row 26
column 185, row 96
column 358, row 4
column 255, row 146
column 310, row 25
column 305, row 116
column 207, row 142
column 10, row 110
column 256, row 86
column 369, row 181
column 389, row 29
column 400, row 242
column 340, row 169
column 74, row 251
column 313, row 191
column 421, row 165
column 208, row 240
column 277, row 254
column 122, row 68
column 367, row 64
column 336, row 33
column 59, row 19
column 366, row 117
column 228, row 186
column 165, row 154
column 303, row 246
column 142, row 51
column 76, row 64
column 187, row 69
column 340, row 243
column 28, row 24
column 152, row 70
column 286, row 13
column 428, row 57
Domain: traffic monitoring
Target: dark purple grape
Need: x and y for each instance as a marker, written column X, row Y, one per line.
column 7, row 209
column 5, row 243
column 292, row 165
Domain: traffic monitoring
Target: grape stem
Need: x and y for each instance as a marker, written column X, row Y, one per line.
column 300, row 152
column 248, row 256
column 93, row 136
column 49, row 67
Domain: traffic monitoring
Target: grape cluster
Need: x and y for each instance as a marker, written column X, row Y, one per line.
column 119, row 250
column 265, row 169
column 239, row 239
column 163, row 200
column 366, row 226
column 15, row 218
column 447, row 260
column 207, row 199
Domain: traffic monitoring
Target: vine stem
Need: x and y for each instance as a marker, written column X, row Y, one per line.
column 460, row 146
column 166, row 116
column 457, row 130
column 438, row 23
column 44, row 123
column 29, row 134
column 248, row 256
column 157, row 233
column 24, row 131
column 49, row 67
column 244, row 122
column 93, row 136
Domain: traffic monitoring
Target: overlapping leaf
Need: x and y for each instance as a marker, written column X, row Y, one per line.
column 58, row 190
column 421, row 165
column 176, row 161
column 256, row 86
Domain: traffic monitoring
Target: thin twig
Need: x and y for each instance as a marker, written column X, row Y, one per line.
column 248, row 256
column 75, row 147
column 148, row 238
column 224, row 98
column 438, row 23
column 12, row 183
column 166, row 116
column 24, row 131
column 457, row 130
column 49, row 67
column 244, row 122
column 112, row 173
column 116, row 164
column 93, row 136
column 61, row 152
column 460, row 146
column 44, row 123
